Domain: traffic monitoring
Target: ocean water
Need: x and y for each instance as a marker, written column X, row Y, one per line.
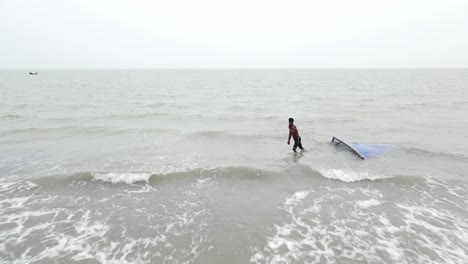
column 192, row 166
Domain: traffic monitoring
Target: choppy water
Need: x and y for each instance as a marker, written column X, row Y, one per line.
column 187, row 166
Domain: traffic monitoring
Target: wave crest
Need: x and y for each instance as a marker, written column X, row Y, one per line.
column 350, row 176
column 121, row 177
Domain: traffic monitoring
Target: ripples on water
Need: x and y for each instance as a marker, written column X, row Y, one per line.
column 193, row 167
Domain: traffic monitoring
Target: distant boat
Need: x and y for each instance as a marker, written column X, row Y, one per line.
column 32, row 73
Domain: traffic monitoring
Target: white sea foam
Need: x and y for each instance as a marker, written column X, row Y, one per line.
column 349, row 175
column 368, row 203
column 331, row 227
column 122, row 177
column 295, row 198
column 98, row 234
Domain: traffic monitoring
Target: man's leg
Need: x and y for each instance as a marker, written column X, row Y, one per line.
column 300, row 143
column 296, row 142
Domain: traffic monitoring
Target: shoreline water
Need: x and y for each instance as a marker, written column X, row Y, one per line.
column 193, row 166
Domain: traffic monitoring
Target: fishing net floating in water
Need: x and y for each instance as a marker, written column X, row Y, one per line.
column 363, row 151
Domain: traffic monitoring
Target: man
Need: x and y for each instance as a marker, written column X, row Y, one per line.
column 295, row 134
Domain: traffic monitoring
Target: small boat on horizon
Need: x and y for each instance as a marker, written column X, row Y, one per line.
column 32, row 73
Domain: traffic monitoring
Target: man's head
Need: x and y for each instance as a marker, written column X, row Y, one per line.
column 291, row 120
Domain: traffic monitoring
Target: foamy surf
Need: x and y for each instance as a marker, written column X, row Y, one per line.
column 368, row 203
column 350, row 176
column 376, row 228
column 183, row 179
column 128, row 178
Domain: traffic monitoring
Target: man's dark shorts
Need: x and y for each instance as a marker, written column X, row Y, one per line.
column 297, row 143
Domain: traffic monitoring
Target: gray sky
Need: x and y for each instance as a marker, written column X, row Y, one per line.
column 233, row 34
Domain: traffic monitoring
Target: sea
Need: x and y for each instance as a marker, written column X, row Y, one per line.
column 193, row 166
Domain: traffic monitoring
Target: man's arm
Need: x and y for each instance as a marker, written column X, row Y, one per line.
column 289, row 138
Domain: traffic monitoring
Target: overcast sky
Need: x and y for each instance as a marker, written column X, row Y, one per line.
column 233, row 34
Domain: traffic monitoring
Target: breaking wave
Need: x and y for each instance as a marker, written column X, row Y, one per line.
column 247, row 173
column 122, row 177
column 350, row 176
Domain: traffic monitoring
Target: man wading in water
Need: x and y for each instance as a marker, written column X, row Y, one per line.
column 295, row 134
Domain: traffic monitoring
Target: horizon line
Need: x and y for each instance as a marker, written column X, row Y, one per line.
column 246, row 68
